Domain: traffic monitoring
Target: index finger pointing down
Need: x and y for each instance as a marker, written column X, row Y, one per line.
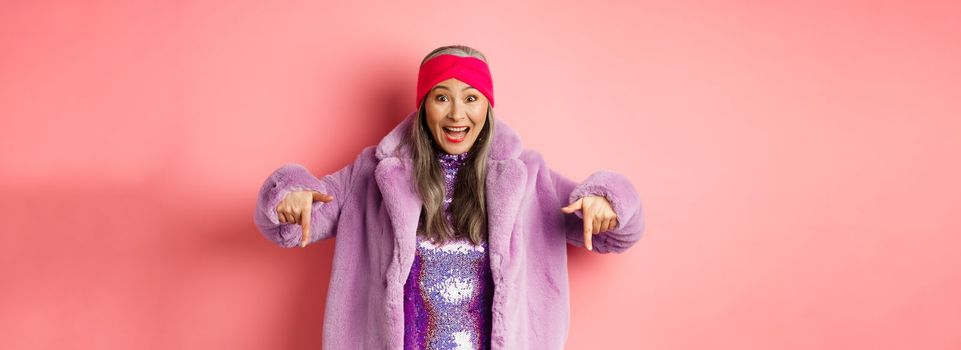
column 588, row 230
column 305, row 224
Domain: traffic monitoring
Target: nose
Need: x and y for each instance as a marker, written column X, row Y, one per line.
column 457, row 111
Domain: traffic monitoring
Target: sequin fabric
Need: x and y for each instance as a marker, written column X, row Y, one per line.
column 449, row 292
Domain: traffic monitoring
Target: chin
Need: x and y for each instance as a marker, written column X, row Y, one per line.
column 458, row 148
column 455, row 147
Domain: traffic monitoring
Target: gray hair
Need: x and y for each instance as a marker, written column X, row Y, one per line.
column 457, row 50
column 468, row 207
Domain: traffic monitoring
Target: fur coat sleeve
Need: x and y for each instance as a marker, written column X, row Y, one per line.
column 623, row 198
column 295, row 177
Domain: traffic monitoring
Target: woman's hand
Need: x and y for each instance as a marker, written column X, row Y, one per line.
column 598, row 216
column 295, row 208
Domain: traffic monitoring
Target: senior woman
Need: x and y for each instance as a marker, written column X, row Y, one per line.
column 449, row 233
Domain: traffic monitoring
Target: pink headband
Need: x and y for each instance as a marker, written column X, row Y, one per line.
column 471, row 70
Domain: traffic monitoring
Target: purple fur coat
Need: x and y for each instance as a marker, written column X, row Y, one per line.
column 374, row 215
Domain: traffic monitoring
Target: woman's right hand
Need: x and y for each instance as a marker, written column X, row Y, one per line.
column 295, row 208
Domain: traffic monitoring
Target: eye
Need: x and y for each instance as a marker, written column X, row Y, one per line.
column 442, row 98
column 472, row 98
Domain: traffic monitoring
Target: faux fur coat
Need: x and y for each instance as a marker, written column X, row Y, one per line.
column 375, row 213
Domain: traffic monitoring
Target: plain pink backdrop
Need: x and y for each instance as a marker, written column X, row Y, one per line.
column 798, row 162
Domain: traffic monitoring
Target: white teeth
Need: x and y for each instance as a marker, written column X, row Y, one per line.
column 456, row 129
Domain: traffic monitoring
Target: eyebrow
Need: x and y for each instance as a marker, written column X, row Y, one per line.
column 444, row 87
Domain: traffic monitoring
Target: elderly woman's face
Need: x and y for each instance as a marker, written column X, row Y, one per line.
column 456, row 113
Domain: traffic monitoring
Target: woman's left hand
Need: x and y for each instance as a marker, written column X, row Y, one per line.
column 598, row 216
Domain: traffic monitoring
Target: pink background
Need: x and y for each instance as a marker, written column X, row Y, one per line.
column 798, row 162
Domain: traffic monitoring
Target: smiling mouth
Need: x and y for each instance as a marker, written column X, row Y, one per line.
column 456, row 134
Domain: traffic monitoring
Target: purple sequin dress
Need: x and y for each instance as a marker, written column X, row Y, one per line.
column 449, row 292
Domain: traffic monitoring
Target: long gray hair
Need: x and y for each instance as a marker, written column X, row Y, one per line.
column 468, row 207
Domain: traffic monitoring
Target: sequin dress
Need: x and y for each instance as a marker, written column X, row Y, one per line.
column 449, row 292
